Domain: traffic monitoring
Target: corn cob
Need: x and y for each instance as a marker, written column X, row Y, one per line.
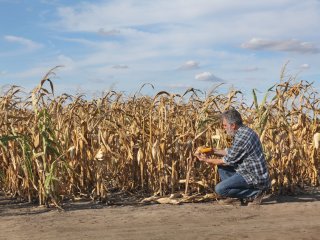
column 205, row 150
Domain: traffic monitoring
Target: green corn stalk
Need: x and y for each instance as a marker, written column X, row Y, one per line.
column 27, row 164
column 51, row 151
column 50, row 144
column 262, row 111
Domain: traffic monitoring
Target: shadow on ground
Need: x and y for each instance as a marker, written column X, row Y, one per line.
column 300, row 198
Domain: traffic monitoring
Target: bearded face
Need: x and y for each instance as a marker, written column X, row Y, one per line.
column 229, row 127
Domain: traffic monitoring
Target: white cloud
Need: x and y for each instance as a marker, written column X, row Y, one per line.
column 119, row 66
column 250, row 69
column 208, row 76
column 87, row 16
column 112, row 32
column 285, row 46
column 29, row 44
column 66, row 62
column 2, row 73
column 305, row 66
column 82, row 41
column 263, row 17
column 189, row 65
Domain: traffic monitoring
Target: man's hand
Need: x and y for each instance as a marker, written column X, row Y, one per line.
column 205, row 158
column 201, row 156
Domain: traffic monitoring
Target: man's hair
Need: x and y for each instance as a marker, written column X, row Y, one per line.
column 232, row 116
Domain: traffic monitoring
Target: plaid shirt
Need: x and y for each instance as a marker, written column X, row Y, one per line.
column 247, row 158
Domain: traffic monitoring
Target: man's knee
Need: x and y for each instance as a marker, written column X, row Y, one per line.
column 220, row 189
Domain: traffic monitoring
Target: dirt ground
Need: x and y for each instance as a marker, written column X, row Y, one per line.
column 290, row 217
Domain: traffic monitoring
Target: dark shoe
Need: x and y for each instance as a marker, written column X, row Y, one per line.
column 257, row 200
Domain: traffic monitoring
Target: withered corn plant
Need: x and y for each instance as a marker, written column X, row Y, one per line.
column 59, row 147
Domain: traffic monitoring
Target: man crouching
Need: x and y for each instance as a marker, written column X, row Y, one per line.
column 242, row 169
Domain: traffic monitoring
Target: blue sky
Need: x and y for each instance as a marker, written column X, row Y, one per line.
column 172, row 44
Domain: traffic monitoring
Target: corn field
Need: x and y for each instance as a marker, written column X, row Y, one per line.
column 58, row 147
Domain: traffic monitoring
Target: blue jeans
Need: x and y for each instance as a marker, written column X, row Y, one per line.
column 233, row 184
